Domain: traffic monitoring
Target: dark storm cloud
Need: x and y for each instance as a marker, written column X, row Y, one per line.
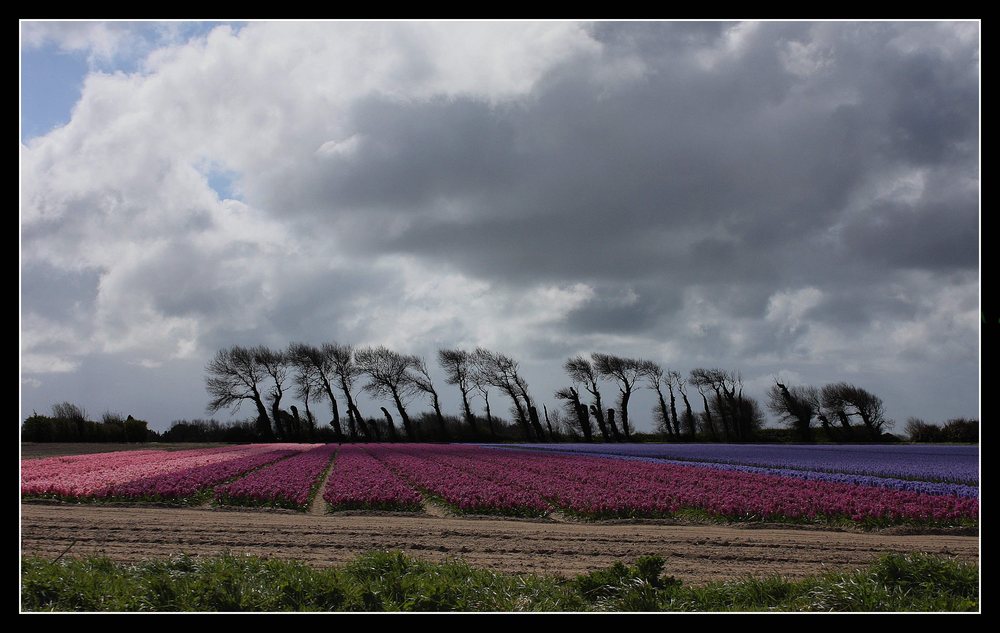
column 740, row 168
column 613, row 311
column 935, row 235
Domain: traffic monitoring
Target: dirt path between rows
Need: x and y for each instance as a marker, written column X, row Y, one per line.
column 694, row 553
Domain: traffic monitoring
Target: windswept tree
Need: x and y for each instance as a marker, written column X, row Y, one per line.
column 304, row 355
column 346, row 369
column 390, row 427
column 421, row 379
column 459, row 370
column 307, row 387
column 843, row 400
column 626, row 372
column 871, row 410
column 233, row 376
column 522, row 388
column 796, row 406
column 275, row 364
column 657, row 378
column 389, row 376
column 703, row 384
column 577, row 411
column 483, row 390
column 834, row 404
column 687, row 419
column 581, row 371
column 500, row 371
column 729, row 407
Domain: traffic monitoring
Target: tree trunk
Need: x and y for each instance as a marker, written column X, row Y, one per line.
column 547, row 423
column 663, row 411
column 690, row 415
column 673, row 413
column 614, row 427
column 535, row 423
column 626, row 394
column 708, row 419
column 263, row 422
column 469, row 418
column 275, row 411
column 335, row 423
column 489, row 416
column 439, row 416
column 410, row 434
column 584, row 420
column 599, row 415
column 355, row 421
column 392, row 427
column 522, row 417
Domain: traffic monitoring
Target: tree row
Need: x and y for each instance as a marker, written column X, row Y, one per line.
column 333, row 375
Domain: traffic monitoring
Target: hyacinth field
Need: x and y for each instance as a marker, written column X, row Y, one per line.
column 866, row 485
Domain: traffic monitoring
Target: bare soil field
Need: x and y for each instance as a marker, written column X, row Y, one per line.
column 694, row 553
column 32, row 450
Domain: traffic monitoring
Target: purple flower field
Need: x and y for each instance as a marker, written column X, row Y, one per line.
column 921, row 463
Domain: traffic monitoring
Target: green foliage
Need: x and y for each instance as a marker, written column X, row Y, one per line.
column 69, row 424
column 391, row 581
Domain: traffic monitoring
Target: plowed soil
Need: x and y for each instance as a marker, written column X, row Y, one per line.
column 694, row 553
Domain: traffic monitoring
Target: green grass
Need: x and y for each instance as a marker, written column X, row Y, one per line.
column 391, row 581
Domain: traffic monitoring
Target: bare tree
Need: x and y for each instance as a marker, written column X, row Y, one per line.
column 388, row 372
column 303, row 355
column 233, row 376
column 421, row 379
column 688, row 420
column 459, row 370
column 834, row 399
column 626, row 372
column 703, row 384
column 275, row 364
column 522, row 388
column 483, row 388
column 390, row 426
column 729, row 408
column 796, row 406
column 307, row 386
column 346, row 369
column 582, row 371
column 845, row 400
column 500, row 371
column 577, row 411
column 656, row 378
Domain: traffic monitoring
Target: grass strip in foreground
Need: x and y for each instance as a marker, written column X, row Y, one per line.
column 391, row 581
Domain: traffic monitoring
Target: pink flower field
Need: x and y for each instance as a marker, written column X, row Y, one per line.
column 288, row 483
column 358, row 481
column 479, row 480
column 159, row 475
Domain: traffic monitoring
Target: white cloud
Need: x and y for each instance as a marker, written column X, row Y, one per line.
column 123, row 187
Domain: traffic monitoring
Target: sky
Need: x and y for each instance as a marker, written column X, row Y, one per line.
column 790, row 200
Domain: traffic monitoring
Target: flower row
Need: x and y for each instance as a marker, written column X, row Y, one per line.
column 289, row 482
column 359, row 481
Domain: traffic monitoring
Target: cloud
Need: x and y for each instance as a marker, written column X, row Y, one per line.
column 776, row 196
column 101, row 40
